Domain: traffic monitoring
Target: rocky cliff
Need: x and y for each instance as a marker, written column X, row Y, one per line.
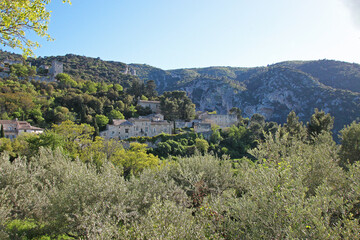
column 272, row 91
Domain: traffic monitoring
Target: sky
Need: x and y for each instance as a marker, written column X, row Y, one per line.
column 171, row 34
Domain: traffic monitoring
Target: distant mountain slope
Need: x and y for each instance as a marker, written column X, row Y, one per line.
column 272, row 91
column 332, row 73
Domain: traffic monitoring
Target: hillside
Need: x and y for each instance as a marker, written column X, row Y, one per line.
column 332, row 73
column 273, row 91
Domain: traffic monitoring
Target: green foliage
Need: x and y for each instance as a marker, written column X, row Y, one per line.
column 150, row 89
column 19, row 70
column 2, row 134
column 216, row 137
column 201, row 145
column 135, row 160
column 293, row 127
column 350, row 144
column 65, row 80
column 176, row 105
column 20, row 16
column 101, row 120
column 115, row 114
column 319, row 122
column 118, row 87
column 237, row 141
column 74, row 136
column 295, row 190
column 49, row 139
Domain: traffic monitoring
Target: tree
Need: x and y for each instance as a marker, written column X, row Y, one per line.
column 117, row 87
column 238, row 140
column 19, row 70
column 96, row 128
column 293, row 126
column 75, row 136
column 65, row 80
column 101, row 120
column 137, row 88
column 2, row 134
column 134, row 160
column 216, row 137
column 256, row 126
column 115, row 114
column 17, row 17
column 319, row 122
column 202, row 145
column 176, row 105
column 150, row 89
column 48, row 139
column 236, row 111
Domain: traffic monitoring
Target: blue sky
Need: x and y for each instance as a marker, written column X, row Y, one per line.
column 173, row 34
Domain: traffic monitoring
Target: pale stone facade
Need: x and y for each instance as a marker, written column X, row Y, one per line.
column 221, row 120
column 56, row 68
column 202, row 127
column 13, row 128
column 148, row 126
column 153, row 105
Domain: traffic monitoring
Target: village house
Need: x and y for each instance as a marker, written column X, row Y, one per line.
column 153, row 105
column 223, row 121
column 147, row 126
column 202, row 127
column 13, row 128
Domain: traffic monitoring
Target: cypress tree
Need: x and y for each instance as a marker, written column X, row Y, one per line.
column 96, row 132
column 2, row 134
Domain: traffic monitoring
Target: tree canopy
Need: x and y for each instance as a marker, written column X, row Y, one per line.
column 18, row 17
column 177, row 105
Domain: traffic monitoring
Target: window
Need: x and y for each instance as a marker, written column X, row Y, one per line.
column 126, row 130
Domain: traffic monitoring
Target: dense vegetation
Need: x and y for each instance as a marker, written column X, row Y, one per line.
column 273, row 91
column 300, row 185
column 82, row 101
column 254, row 180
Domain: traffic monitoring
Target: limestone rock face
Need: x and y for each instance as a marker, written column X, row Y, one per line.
column 272, row 91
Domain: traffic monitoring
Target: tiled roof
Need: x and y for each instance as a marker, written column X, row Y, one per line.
column 160, row 123
column 12, row 125
column 118, row 122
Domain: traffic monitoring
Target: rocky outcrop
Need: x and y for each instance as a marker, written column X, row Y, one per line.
column 272, row 91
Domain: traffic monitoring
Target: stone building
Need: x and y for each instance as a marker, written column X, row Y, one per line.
column 153, row 105
column 13, row 128
column 56, row 68
column 148, row 126
column 202, row 127
column 222, row 121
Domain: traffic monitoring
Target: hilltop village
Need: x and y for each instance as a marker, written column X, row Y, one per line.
column 116, row 113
